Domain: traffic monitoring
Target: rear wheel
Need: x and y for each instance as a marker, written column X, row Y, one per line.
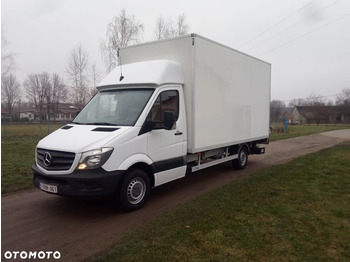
column 135, row 190
column 241, row 161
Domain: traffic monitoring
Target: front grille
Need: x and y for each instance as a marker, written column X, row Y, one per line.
column 54, row 160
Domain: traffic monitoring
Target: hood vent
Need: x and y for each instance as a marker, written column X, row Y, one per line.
column 105, row 129
column 66, row 127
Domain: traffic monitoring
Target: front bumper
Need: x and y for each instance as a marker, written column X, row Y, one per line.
column 93, row 182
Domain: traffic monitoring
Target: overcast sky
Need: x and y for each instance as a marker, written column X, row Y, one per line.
column 307, row 42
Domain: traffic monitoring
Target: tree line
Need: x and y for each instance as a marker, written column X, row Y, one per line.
column 47, row 90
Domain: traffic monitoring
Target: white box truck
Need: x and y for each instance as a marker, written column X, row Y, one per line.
column 170, row 107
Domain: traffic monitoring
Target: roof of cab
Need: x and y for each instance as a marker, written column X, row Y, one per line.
column 150, row 73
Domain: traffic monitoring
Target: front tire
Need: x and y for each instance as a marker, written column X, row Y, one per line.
column 134, row 190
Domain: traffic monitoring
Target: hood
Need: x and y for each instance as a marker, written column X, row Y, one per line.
column 80, row 138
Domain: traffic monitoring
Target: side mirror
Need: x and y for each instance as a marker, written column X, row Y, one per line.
column 169, row 120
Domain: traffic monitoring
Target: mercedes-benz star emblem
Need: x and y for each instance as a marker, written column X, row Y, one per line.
column 47, row 159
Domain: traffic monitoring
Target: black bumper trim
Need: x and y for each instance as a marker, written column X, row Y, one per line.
column 93, row 182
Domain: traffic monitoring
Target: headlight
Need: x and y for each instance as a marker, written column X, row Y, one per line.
column 94, row 158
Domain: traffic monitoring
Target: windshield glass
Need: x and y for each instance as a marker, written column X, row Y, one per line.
column 115, row 107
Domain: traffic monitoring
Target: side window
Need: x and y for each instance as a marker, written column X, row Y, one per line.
column 166, row 101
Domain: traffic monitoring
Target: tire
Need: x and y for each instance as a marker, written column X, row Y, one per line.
column 241, row 161
column 134, row 190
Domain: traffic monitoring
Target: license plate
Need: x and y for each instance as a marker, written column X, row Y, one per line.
column 48, row 188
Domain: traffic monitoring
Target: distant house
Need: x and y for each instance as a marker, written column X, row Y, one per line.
column 28, row 114
column 321, row 114
column 64, row 112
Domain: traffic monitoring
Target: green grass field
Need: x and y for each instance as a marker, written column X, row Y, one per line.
column 17, row 154
column 298, row 211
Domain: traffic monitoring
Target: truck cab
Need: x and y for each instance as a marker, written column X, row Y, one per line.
column 130, row 137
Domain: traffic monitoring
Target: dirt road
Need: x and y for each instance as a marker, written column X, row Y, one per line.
column 35, row 221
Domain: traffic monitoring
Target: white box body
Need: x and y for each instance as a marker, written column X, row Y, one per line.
column 227, row 93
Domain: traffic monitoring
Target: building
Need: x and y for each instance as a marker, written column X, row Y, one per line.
column 64, row 112
column 321, row 114
column 28, row 114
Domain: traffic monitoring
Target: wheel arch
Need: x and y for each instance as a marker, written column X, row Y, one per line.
column 145, row 167
column 236, row 148
column 139, row 161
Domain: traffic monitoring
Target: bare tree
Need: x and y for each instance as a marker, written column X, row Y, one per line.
column 10, row 91
column 59, row 93
column 276, row 110
column 162, row 30
column 122, row 31
column 297, row 102
column 343, row 99
column 7, row 57
column 181, row 26
column 168, row 28
column 317, row 106
column 77, row 71
column 96, row 77
column 37, row 88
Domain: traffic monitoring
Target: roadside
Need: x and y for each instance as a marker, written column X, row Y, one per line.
column 34, row 221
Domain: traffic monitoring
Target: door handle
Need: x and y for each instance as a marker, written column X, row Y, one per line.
column 178, row 133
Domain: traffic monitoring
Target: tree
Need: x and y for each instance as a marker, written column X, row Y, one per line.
column 37, row 88
column 7, row 58
column 45, row 91
column 317, row 107
column 122, row 31
column 343, row 99
column 96, row 77
column 162, row 29
column 59, row 93
column 166, row 29
column 77, row 71
column 297, row 102
column 276, row 110
column 10, row 91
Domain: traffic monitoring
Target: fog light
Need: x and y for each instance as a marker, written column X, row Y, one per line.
column 82, row 166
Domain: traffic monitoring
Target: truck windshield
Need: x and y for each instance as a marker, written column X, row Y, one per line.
column 115, row 107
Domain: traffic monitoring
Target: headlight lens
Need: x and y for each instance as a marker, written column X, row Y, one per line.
column 94, row 158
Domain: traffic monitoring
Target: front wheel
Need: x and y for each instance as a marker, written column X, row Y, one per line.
column 135, row 190
column 241, row 161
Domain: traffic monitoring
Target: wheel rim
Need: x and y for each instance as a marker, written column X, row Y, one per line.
column 243, row 158
column 136, row 190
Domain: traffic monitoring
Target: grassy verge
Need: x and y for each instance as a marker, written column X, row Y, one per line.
column 17, row 154
column 299, row 211
column 301, row 130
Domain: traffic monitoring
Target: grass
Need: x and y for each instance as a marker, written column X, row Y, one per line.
column 298, row 211
column 301, row 130
column 17, row 154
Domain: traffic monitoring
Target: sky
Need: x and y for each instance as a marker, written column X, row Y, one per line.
column 307, row 42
